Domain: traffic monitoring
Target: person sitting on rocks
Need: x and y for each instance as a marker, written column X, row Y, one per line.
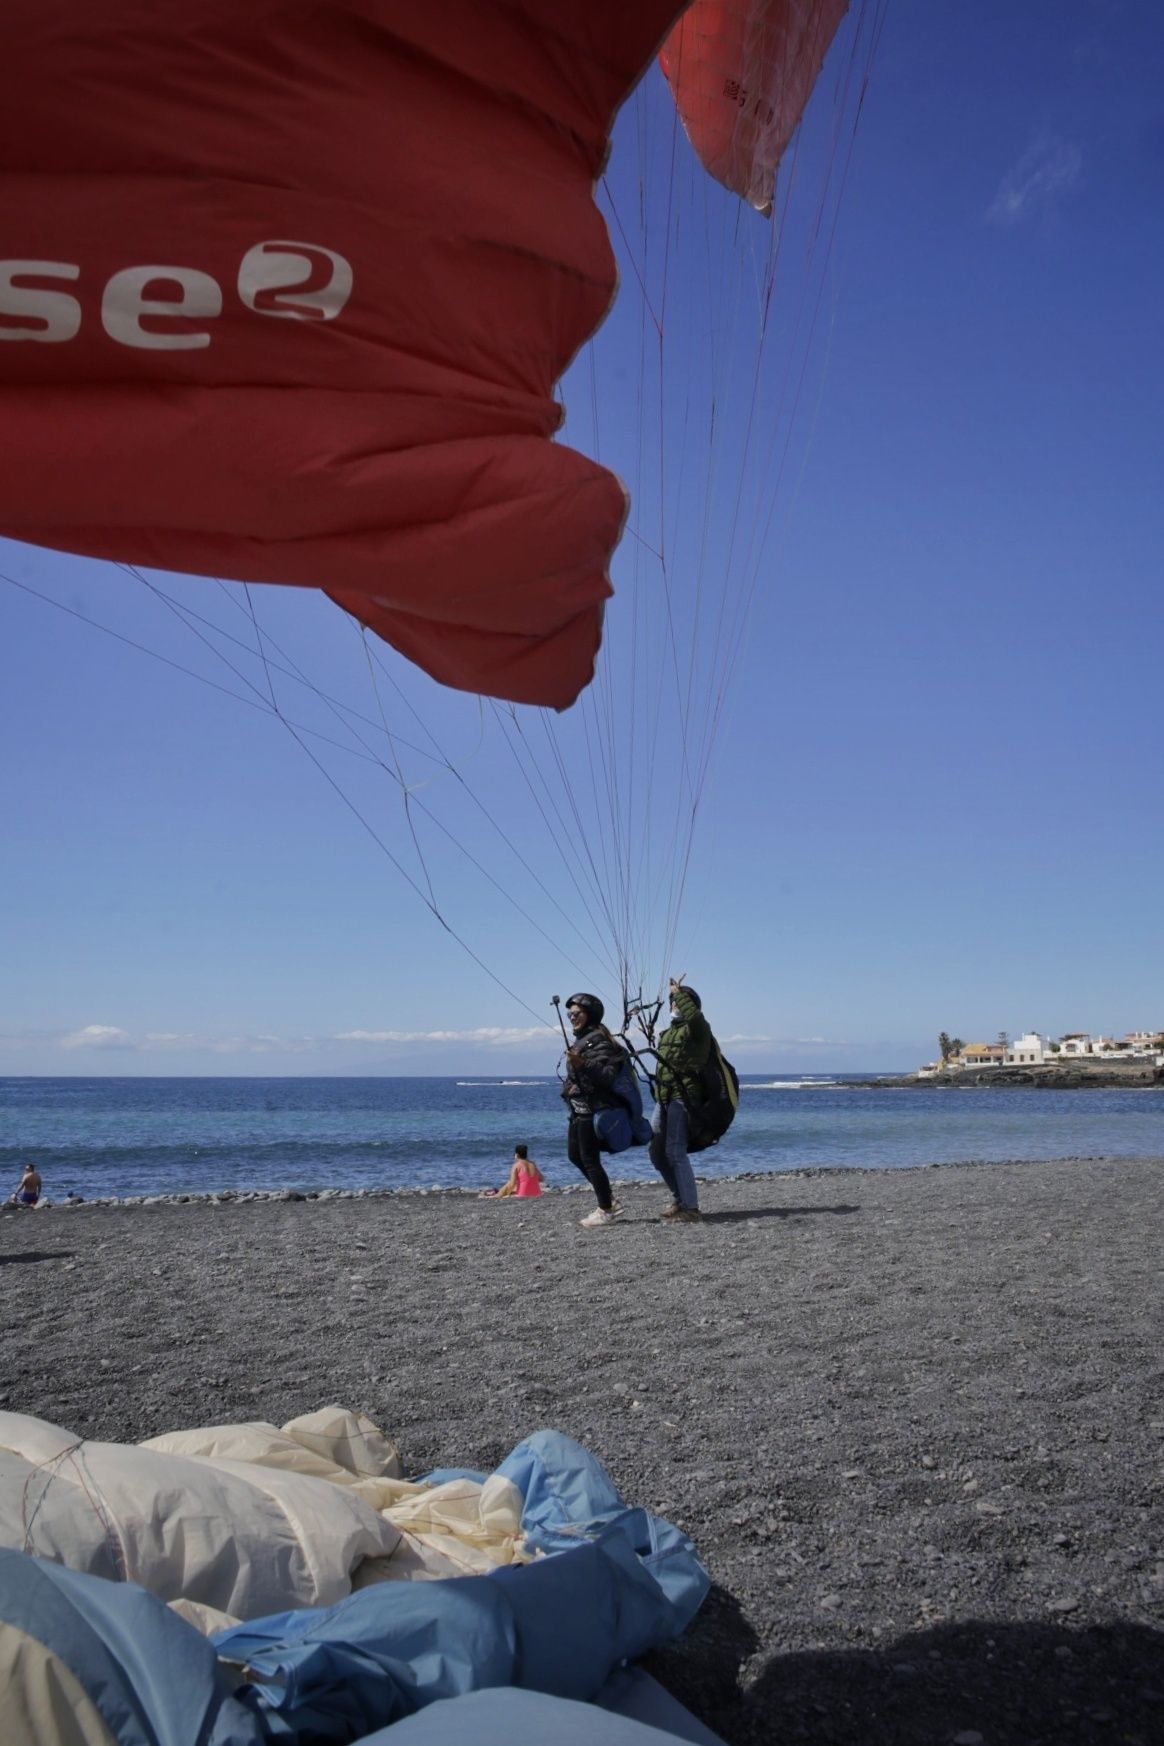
column 525, row 1179
column 28, row 1191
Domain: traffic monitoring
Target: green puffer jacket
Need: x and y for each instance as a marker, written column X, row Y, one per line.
column 684, row 1050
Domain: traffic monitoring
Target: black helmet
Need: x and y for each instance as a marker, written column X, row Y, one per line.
column 589, row 1003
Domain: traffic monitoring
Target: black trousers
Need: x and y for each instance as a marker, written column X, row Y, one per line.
column 582, row 1151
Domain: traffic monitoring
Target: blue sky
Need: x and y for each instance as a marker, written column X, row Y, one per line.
column 934, row 796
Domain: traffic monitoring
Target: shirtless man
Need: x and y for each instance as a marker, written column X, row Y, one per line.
column 28, row 1193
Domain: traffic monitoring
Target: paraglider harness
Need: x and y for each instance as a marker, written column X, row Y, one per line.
column 709, row 1120
column 711, row 1115
column 619, row 1123
column 622, row 1125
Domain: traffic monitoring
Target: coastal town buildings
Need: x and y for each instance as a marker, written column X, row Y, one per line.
column 982, row 1055
column 1032, row 1049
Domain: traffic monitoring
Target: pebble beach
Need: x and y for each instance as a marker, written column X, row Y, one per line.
column 913, row 1420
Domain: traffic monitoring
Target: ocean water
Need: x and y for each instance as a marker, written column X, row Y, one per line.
column 131, row 1137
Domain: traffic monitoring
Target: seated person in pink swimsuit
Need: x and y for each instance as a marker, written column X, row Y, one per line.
column 525, row 1179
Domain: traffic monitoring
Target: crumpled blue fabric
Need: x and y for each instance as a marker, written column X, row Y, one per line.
column 615, row 1583
column 513, row 1718
column 570, row 1496
column 153, row 1679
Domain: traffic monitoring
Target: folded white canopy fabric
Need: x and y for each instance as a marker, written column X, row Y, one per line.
column 236, row 1521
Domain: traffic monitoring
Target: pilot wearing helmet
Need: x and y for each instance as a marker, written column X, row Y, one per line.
column 593, row 1064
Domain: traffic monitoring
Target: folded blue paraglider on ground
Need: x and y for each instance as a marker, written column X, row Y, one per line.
column 613, row 1583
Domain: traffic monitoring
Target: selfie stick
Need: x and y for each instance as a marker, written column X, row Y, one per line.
column 556, row 1001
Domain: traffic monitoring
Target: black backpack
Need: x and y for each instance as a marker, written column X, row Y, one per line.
column 710, row 1119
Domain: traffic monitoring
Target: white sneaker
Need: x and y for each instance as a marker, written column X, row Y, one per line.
column 598, row 1217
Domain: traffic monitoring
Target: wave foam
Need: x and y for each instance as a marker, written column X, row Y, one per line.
column 790, row 1085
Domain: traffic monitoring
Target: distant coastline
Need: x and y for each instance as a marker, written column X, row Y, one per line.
column 1072, row 1075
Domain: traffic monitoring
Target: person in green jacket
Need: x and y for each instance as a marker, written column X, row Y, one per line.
column 684, row 1050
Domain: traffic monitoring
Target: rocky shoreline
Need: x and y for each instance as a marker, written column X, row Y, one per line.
column 215, row 1197
column 1076, row 1077
column 243, row 1196
column 912, row 1419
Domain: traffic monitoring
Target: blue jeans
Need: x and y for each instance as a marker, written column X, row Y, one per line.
column 669, row 1152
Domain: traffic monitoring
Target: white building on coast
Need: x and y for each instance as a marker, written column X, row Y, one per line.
column 1029, row 1050
column 1033, row 1049
column 981, row 1055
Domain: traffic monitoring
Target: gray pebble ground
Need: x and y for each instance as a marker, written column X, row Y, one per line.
column 913, row 1420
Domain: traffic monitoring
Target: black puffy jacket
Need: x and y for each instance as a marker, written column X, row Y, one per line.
column 602, row 1062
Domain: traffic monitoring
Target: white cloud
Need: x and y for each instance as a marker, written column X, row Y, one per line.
column 164, row 1042
column 1045, row 171
column 98, row 1037
column 260, row 1045
column 110, row 1037
column 739, row 1041
column 483, row 1038
column 489, row 1035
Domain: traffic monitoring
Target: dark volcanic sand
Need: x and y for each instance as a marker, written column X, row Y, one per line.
column 913, row 1420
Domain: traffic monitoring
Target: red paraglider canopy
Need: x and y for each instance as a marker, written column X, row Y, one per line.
column 741, row 72
column 286, row 292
